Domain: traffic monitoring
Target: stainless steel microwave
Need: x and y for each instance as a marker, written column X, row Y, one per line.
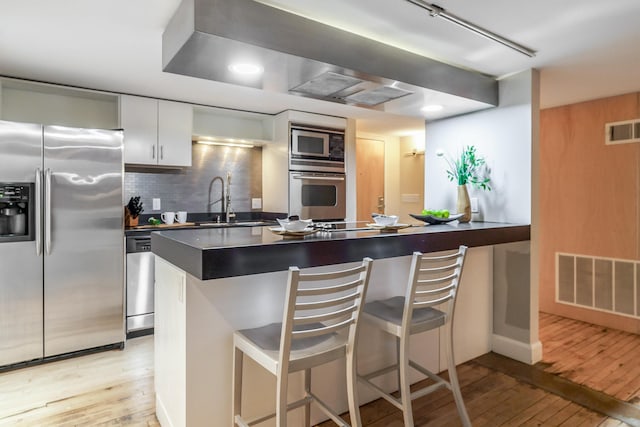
column 316, row 149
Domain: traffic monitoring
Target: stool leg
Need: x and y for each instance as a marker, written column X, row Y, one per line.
column 405, row 386
column 398, row 362
column 352, row 388
column 307, row 389
column 282, row 384
column 453, row 378
column 237, row 383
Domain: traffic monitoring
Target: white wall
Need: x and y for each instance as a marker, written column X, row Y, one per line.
column 503, row 136
column 350, row 167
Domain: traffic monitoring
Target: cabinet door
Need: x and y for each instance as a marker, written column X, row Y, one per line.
column 139, row 119
column 175, row 125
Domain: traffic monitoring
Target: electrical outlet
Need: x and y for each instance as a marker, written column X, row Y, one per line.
column 256, row 203
column 474, row 205
column 156, row 204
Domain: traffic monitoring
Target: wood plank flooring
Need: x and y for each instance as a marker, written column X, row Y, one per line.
column 108, row 388
column 603, row 359
column 116, row 387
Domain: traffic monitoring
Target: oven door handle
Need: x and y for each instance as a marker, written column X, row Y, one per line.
column 319, row 178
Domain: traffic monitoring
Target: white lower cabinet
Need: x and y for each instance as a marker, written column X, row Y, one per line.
column 156, row 132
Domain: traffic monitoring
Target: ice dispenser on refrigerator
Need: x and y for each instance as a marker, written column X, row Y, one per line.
column 16, row 212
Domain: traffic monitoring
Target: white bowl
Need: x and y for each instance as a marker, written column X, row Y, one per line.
column 296, row 225
column 385, row 220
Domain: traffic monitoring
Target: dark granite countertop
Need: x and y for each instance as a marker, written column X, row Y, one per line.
column 227, row 252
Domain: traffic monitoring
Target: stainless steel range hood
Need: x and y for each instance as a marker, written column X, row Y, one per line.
column 304, row 57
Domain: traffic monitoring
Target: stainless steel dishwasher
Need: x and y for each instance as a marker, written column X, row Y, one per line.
column 140, row 286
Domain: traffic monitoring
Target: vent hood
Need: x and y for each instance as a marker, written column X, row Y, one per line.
column 307, row 58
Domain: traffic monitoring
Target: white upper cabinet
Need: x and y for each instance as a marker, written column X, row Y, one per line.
column 175, row 122
column 139, row 119
column 156, row 132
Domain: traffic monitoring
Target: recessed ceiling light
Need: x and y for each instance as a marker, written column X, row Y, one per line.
column 245, row 68
column 432, row 108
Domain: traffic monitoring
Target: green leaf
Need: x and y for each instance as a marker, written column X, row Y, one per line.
column 468, row 168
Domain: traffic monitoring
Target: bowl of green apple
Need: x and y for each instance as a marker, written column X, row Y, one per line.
column 436, row 216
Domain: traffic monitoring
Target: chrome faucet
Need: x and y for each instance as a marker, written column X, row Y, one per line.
column 221, row 199
column 230, row 215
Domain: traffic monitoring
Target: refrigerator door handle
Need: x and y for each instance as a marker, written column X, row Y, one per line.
column 38, row 197
column 47, row 210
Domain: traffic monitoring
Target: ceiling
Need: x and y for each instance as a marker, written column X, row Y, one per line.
column 586, row 49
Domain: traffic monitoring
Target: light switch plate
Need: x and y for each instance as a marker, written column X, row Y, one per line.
column 256, row 203
column 410, row 198
column 156, row 204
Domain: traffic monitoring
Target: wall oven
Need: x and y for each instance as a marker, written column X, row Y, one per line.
column 317, row 195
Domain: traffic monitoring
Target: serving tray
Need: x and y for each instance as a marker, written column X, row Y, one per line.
column 388, row 228
column 292, row 234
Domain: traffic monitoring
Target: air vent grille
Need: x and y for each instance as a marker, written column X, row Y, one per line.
column 622, row 132
column 377, row 96
column 326, row 84
column 603, row 284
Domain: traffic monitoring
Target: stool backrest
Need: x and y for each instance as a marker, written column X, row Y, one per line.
column 321, row 304
column 433, row 281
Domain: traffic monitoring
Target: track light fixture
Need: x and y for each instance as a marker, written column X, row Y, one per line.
column 437, row 11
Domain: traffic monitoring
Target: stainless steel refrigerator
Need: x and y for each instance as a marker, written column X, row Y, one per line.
column 62, row 265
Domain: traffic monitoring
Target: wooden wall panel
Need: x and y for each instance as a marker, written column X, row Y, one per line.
column 589, row 194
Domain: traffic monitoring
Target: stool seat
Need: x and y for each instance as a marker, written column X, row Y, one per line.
column 263, row 345
column 387, row 315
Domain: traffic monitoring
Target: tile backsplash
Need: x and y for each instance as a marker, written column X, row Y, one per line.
column 191, row 189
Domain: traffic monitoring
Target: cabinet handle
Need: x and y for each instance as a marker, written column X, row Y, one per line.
column 162, row 152
column 153, row 151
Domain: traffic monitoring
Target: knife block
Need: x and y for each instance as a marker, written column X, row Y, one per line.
column 128, row 220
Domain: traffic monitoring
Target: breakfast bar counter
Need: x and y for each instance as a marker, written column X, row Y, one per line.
column 227, row 252
column 212, row 282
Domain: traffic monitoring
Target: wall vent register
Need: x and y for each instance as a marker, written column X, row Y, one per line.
column 622, row 132
column 602, row 284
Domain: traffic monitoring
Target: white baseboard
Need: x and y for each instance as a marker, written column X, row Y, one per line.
column 528, row 353
column 161, row 414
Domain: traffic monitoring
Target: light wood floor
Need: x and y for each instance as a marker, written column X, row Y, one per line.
column 116, row 387
column 603, row 359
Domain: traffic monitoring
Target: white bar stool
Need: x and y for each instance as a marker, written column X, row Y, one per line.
column 433, row 281
column 320, row 324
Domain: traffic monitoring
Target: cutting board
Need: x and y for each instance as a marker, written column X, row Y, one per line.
column 175, row 224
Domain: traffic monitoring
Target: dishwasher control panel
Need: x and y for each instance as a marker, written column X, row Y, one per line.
column 138, row 244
